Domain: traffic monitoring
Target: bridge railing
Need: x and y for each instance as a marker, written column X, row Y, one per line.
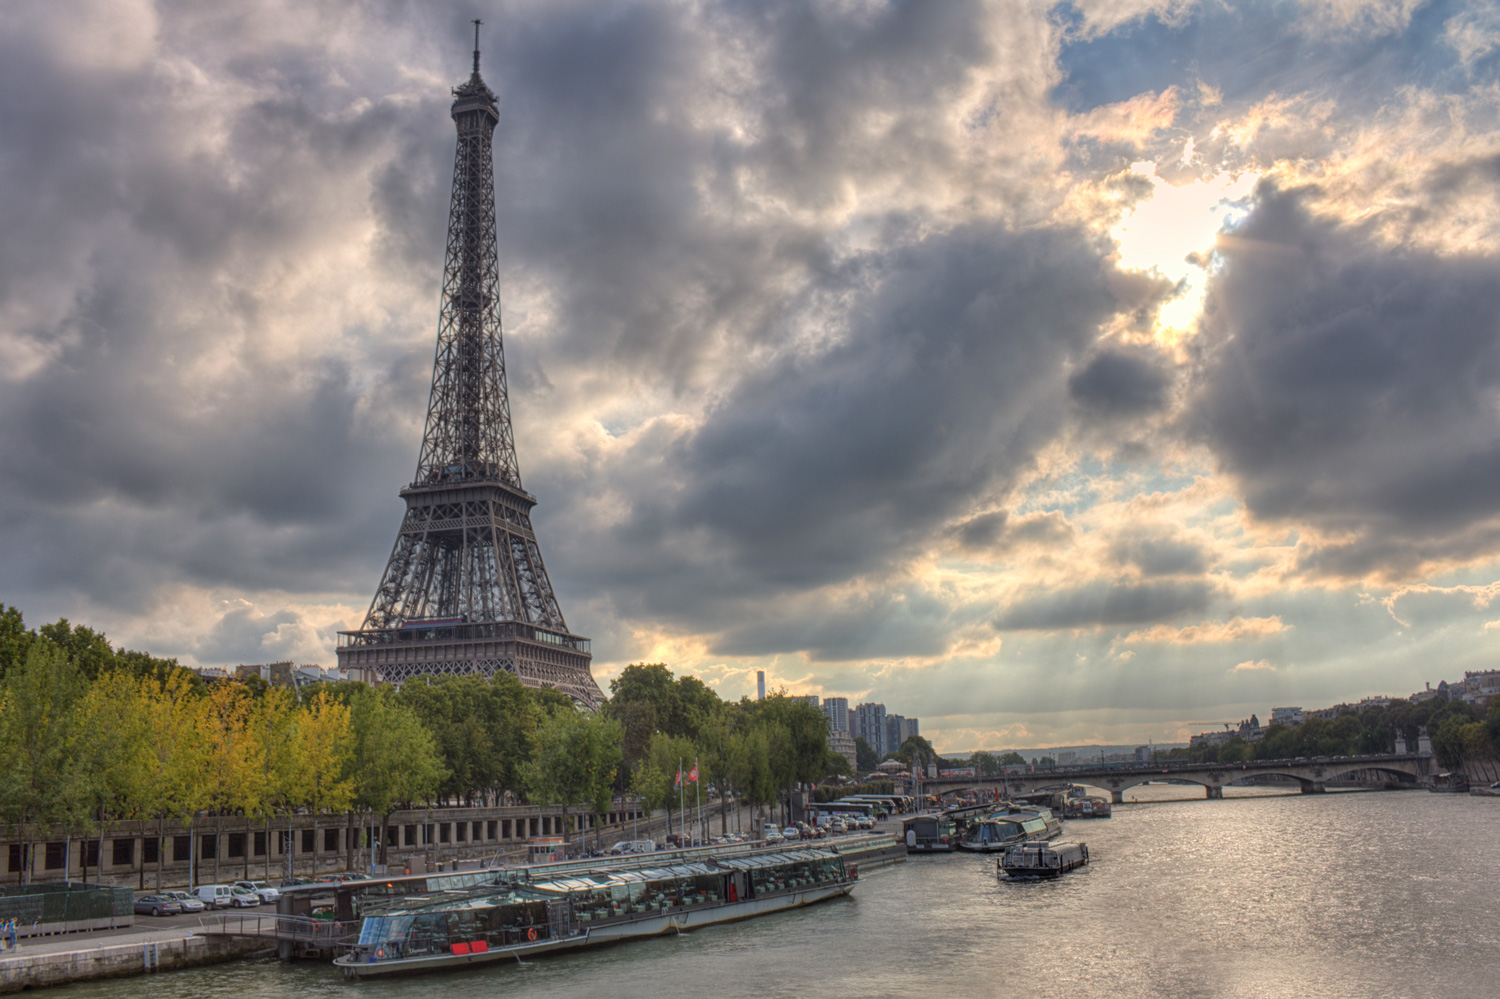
column 299, row 929
column 1167, row 766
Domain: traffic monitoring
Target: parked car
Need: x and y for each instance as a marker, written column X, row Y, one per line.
column 791, row 832
column 188, row 902
column 262, row 888
column 242, row 898
column 157, row 905
column 773, row 835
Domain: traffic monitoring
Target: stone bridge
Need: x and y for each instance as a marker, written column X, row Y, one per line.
column 1312, row 775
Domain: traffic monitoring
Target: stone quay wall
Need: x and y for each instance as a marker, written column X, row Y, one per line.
column 214, row 849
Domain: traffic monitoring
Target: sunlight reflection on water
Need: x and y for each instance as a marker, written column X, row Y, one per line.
column 1335, row 895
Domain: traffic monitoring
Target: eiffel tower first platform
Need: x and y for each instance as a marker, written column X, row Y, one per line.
column 465, row 591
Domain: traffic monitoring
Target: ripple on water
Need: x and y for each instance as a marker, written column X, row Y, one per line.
column 1296, row 896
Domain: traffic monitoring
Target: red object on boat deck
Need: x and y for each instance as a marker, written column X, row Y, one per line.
column 479, row 947
column 459, row 948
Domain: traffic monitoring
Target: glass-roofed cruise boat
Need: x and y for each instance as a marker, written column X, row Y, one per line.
column 461, row 928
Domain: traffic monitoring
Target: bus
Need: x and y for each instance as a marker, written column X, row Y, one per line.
column 896, row 804
column 825, row 810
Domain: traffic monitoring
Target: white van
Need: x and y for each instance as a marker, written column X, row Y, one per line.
column 215, row 896
column 629, row 846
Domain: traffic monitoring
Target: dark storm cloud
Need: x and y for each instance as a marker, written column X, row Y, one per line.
column 1159, row 553
column 1352, row 386
column 1101, row 603
column 166, row 434
column 1121, row 383
column 820, row 468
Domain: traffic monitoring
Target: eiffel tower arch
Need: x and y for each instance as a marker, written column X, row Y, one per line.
column 465, row 590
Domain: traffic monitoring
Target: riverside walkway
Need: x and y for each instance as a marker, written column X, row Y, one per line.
column 175, row 942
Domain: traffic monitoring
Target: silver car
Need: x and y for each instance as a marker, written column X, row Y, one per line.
column 188, row 901
column 263, row 889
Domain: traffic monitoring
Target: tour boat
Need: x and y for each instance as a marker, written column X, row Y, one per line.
column 1002, row 829
column 512, row 920
column 1042, row 860
column 1051, row 825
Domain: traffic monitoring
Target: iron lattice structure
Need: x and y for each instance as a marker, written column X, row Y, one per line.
column 465, row 590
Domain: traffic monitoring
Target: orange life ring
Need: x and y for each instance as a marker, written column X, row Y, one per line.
column 531, row 933
column 380, row 953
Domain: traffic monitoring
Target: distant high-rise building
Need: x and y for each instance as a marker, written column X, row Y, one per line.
column 760, row 684
column 837, row 711
column 909, row 728
column 812, row 699
column 893, row 732
column 869, row 724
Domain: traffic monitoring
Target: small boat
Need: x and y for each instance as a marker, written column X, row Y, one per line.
column 1449, row 783
column 1042, row 860
column 941, row 832
column 1084, row 807
column 1051, row 825
column 999, row 831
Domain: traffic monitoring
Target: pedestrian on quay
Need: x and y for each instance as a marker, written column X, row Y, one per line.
column 10, row 934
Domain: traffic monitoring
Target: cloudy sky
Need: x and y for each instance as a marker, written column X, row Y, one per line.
column 1055, row 373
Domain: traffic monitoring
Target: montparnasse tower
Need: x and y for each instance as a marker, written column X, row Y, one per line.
column 465, row 591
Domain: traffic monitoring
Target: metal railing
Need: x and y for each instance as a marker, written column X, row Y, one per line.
column 298, row 929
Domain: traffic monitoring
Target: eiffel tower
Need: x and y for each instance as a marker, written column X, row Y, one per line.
column 465, row 591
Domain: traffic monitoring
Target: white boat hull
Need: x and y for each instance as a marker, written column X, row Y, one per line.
column 669, row 921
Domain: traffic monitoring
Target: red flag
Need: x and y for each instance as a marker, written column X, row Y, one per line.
column 693, row 774
column 678, row 781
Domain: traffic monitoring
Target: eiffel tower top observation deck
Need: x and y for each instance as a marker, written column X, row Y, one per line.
column 465, row 591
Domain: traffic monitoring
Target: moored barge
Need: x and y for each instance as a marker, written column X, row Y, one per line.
column 1042, row 860
column 509, row 921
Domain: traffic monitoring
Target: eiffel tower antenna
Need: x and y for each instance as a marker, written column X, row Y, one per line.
column 465, row 591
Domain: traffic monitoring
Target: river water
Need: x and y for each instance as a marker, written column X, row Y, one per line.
column 1267, row 895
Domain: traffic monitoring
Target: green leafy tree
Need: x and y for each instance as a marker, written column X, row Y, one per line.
column 394, row 759
column 112, row 749
column 864, row 755
column 40, row 781
column 577, row 756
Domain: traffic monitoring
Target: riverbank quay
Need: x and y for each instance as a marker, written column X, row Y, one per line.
column 120, row 953
column 216, row 849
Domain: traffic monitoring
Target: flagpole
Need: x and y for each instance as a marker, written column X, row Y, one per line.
column 681, row 800
column 698, row 793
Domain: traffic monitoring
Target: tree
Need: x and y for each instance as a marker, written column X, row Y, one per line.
column 276, row 723
column 112, row 750
column 236, row 757
column 394, row 759
column 39, row 781
column 864, row 755
column 651, row 786
column 177, row 783
column 577, row 756
column 1448, row 743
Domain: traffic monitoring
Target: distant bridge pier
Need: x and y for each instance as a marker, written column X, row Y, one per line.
column 1213, row 792
column 1117, row 797
column 1313, row 787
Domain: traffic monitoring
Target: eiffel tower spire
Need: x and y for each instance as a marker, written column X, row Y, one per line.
column 465, row 591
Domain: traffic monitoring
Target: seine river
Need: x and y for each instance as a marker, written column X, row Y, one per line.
column 1343, row 894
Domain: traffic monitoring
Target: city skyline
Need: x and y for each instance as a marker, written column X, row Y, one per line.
column 1059, row 373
